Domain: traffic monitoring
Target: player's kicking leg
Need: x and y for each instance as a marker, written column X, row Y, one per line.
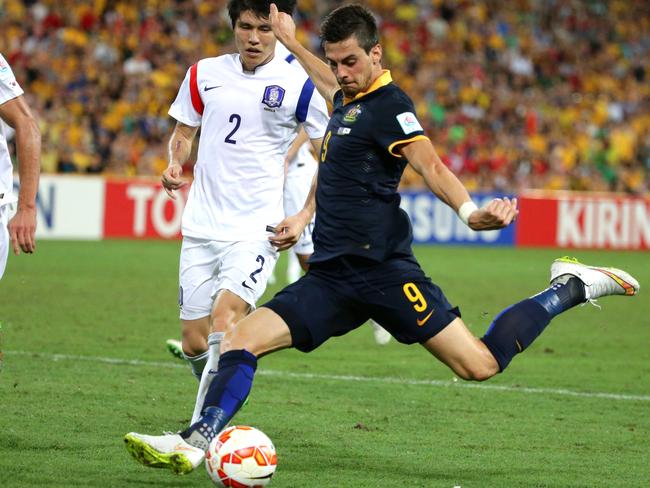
column 260, row 333
column 514, row 329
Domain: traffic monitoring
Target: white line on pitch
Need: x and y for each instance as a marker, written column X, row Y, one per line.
column 335, row 377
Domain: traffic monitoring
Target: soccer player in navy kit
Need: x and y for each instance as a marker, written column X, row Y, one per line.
column 363, row 266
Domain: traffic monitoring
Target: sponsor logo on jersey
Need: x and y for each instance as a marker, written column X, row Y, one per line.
column 409, row 122
column 352, row 115
column 343, row 131
column 273, row 96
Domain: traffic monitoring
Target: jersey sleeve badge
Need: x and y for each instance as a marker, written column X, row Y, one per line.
column 5, row 70
column 409, row 122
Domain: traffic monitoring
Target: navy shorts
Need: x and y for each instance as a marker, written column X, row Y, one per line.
column 340, row 295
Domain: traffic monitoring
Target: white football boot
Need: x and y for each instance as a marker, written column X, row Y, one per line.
column 168, row 451
column 382, row 336
column 598, row 281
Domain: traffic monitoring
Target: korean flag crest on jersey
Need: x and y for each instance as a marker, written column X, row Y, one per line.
column 273, row 96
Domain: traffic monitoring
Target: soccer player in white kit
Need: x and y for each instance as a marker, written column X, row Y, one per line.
column 15, row 113
column 250, row 107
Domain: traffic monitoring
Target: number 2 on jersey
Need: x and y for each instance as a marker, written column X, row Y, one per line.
column 236, row 118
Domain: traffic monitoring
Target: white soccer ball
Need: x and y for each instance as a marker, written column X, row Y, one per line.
column 241, row 457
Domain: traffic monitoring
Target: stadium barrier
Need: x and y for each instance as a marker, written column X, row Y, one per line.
column 93, row 207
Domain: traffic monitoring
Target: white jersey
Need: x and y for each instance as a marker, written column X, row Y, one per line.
column 303, row 164
column 9, row 89
column 248, row 120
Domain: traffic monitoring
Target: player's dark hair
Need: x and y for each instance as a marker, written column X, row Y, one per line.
column 260, row 8
column 347, row 21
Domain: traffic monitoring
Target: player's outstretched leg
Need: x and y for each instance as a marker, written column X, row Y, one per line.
column 263, row 332
column 226, row 394
column 572, row 283
column 181, row 453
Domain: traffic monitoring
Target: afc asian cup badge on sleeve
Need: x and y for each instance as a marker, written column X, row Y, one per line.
column 273, row 96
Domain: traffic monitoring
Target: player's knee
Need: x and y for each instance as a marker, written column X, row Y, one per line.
column 478, row 374
column 224, row 320
column 480, row 370
column 194, row 342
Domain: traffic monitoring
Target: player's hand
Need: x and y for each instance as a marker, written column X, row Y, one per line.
column 288, row 231
column 497, row 214
column 22, row 228
column 283, row 26
column 171, row 179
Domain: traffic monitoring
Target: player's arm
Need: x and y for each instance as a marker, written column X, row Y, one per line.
column 22, row 226
column 179, row 149
column 443, row 183
column 297, row 143
column 288, row 231
column 284, row 29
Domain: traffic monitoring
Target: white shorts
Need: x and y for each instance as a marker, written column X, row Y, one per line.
column 4, row 237
column 206, row 267
column 296, row 189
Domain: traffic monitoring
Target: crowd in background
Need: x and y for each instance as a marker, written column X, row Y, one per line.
column 550, row 94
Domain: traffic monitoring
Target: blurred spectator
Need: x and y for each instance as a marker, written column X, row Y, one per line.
column 523, row 94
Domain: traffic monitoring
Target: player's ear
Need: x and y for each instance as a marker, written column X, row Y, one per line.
column 376, row 54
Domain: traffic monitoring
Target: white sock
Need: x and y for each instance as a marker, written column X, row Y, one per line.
column 197, row 363
column 382, row 336
column 210, row 369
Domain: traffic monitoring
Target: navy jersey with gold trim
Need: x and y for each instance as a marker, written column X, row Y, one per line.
column 357, row 204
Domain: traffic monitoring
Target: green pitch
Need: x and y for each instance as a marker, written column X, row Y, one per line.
column 83, row 331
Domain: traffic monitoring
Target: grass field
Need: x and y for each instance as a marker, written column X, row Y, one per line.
column 84, row 325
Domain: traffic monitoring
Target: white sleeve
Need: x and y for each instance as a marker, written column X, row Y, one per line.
column 183, row 109
column 317, row 118
column 9, row 87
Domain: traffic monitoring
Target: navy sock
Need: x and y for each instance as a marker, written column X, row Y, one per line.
column 225, row 396
column 514, row 329
column 564, row 293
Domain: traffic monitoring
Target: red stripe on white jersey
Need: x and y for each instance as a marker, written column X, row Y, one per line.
column 197, row 103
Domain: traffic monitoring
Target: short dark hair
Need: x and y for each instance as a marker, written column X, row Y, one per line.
column 260, row 8
column 350, row 20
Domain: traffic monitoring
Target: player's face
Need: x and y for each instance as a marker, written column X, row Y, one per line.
column 254, row 39
column 355, row 69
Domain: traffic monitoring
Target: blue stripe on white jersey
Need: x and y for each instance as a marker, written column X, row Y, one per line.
column 289, row 59
column 303, row 102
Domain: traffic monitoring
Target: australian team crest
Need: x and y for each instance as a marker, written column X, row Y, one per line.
column 352, row 115
column 273, row 96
